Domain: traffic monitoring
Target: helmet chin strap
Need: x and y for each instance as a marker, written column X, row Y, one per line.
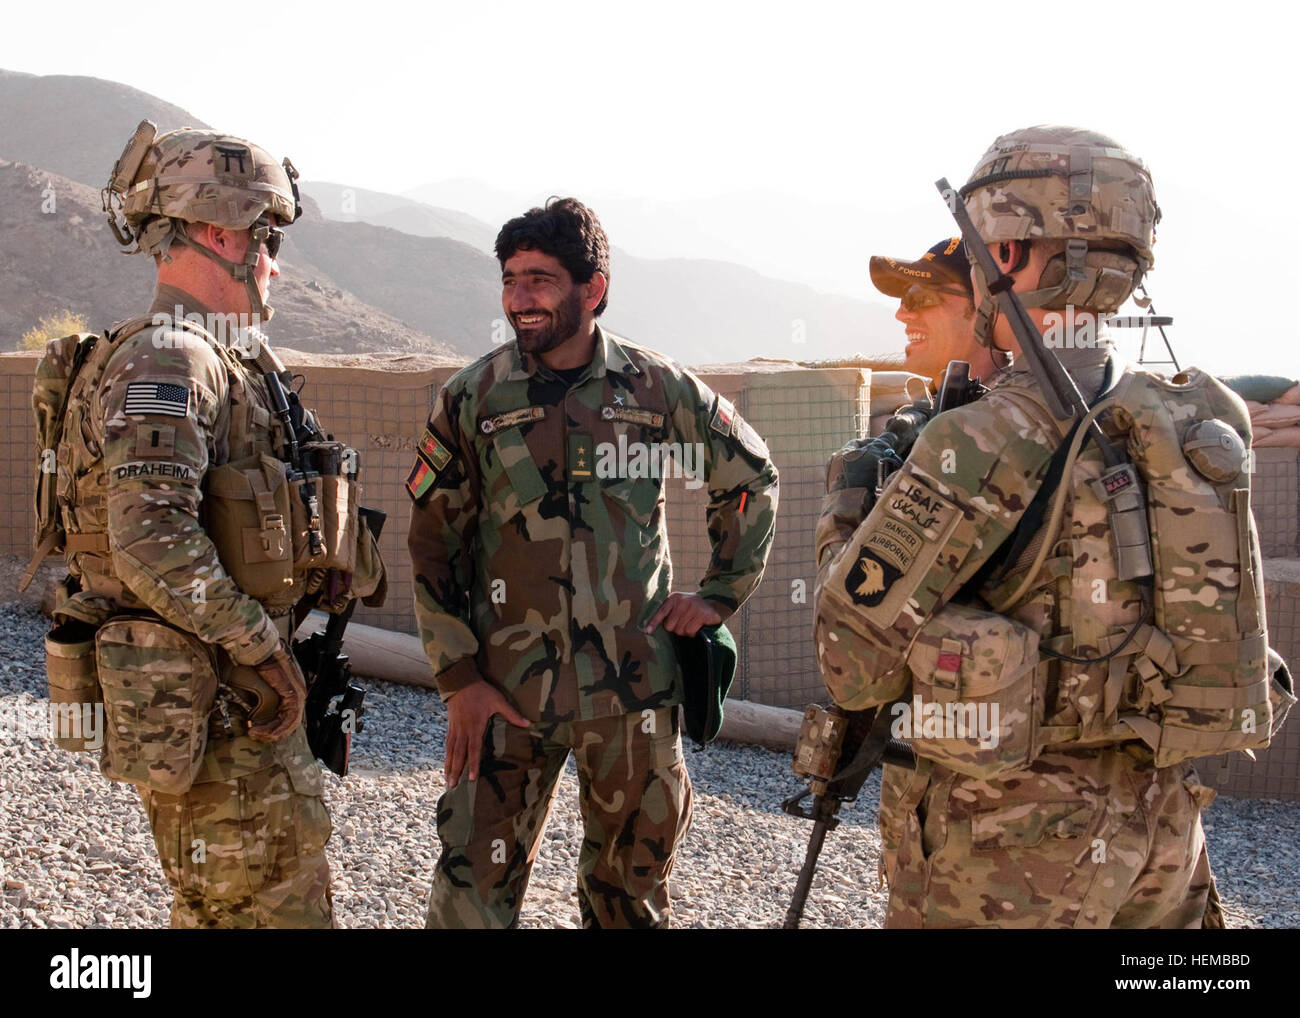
column 244, row 271
column 986, row 311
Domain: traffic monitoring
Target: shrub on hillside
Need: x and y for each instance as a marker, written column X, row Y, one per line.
column 61, row 323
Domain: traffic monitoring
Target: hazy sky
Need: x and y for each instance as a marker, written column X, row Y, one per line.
column 850, row 110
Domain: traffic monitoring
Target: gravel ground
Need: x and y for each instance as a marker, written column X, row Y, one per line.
column 76, row 852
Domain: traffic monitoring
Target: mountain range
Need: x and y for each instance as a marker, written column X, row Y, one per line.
column 362, row 270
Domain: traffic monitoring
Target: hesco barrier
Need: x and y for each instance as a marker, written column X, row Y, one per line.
column 380, row 404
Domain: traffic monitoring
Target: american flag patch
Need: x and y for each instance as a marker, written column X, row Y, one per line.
column 157, row 398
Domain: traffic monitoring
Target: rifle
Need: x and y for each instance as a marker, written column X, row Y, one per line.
column 830, row 734
column 293, row 424
column 1118, row 487
column 334, row 701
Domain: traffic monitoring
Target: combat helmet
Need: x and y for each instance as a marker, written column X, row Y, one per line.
column 1066, row 183
column 196, row 176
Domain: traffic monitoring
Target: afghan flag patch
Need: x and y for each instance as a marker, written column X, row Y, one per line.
column 421, row 479
column 722, row 416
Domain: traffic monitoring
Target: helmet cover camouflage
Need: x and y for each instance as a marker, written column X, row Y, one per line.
column 1079, row 186
column 1051, row 181
column 197, row 176
column 205, row 177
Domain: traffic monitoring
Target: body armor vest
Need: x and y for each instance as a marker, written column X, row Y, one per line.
column 251, row 430
column 1181, row 662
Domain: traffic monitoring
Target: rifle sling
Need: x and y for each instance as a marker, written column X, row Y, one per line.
column 1031, row 521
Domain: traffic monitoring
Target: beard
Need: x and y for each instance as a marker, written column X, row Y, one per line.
column 563, row 324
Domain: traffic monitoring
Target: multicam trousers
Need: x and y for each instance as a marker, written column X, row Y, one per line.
column 248, row 851
column 1098, row 838
column 635, row 799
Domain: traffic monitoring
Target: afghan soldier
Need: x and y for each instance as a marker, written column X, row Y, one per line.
column 181, row 534
column 543, row 583
column 936, row 307
column 1072, row 815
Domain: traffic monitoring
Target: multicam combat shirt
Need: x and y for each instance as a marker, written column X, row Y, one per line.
column 539, row 544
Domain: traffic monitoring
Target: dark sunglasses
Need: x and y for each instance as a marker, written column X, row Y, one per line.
column 917, row 297
column 271, row 236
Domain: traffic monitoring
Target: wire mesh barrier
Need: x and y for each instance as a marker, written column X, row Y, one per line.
column 803, row 414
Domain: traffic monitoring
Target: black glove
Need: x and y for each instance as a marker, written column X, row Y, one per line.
column 853, row 466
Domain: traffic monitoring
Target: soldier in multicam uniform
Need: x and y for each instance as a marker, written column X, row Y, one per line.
column 1084, row 835
column 157, row 411
column 542, row 584
column 937, row 310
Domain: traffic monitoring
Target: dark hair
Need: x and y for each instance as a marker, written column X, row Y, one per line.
column 568, row 231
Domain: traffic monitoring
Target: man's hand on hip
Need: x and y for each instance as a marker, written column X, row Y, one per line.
column 685, row 615
column 468, row 714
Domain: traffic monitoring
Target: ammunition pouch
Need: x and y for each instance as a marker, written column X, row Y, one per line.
column 74, row 687
column 370, row 575
column 159, row 684
column 246, row 509
column 325, row 501
column 978, row 693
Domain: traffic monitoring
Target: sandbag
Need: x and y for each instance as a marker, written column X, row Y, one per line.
column 1275, row 415
column 1283, row 438
column 1261, row 388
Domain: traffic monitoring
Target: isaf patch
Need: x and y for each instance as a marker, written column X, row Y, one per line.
column 921, row 508
column 164, row 398
column 906, row 533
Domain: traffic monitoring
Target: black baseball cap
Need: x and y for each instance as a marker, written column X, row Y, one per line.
column 944, row 265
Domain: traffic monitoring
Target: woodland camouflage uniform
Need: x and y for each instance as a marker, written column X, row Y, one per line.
column 536, row 571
